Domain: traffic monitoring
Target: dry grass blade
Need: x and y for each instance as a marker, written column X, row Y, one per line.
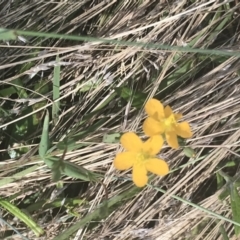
column 205, row 88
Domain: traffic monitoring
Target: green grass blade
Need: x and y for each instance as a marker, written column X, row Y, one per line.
column 18, row 175
column 6, row 34
column 71, row 169
column 220, row 180
column 50, row 161
column 125, row 43
column 97, row 214
column 56, row 171
column 22, row 216
column 47, row 204
column 227, row 188
column 44, row 143
column 14, row 229
column 56, row 91
column 56, row 166
column 223, row 232
column 76, row 171
column 218, row 216
column 235, row 205
column 224, row 194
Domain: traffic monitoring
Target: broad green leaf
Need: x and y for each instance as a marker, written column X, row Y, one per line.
column 15, row 211
column 71, row 169
column 136, row 98
column 230, row 164
column 51, row 161
column 6, row 34
column 111, row 138
column 76, row 171
column 44, row 143
column 8, row 91
column 56, row 166
column 189, row 152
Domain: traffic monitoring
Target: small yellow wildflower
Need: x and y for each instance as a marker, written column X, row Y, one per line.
column 163, row 120
column 141, row 157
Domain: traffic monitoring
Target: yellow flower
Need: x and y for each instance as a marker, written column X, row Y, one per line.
column 141, row 157
column 163, row 120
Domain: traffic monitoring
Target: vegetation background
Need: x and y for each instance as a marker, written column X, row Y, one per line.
column 84, row 70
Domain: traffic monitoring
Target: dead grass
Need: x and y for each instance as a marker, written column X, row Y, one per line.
column 204, row 88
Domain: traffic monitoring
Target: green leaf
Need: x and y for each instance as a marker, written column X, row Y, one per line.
column 56, row 165
column 220, row 180
column 137, row 98
column 230, row 164
column 226, row 189
column 67, row 143
column 224, row 194
column 89, row 85
column 70, row 169
column 104, row 210
column 51, row 161
column 48, row 204
column 189, row 152
column 76, row 171
column 44, row 143
column 112, row 204
column 235, row 204
column 231, row 188
column 111, row 138
column 56, row 171
column 223, row 232
column 6, row 34
column 40, row 87
column 15, row 211
column 19, row 175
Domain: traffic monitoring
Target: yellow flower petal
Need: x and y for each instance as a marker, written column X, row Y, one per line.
column 168, row 111
column 153, row 145
column 157, row 166
column 152, row 127
column 131, row 142
column 183, row 130
column 124, row 160
column 171, row 138
column 178, row 116
column 139, row 175
column 154, row 109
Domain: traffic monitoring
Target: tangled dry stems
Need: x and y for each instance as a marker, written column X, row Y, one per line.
column 208, row 95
